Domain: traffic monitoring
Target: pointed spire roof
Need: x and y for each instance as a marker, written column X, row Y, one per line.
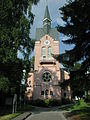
column 47, row 29
column 47, row 15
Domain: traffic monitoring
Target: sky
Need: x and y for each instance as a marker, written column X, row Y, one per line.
column 39, row 10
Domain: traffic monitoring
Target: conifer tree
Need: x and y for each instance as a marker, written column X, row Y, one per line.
column 76, row 15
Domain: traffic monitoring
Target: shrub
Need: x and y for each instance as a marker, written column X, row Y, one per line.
column 65, row 101
column 38, row 102
column 54, row 102
column 47, row 102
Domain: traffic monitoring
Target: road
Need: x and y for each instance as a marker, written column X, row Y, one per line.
column 46, row 115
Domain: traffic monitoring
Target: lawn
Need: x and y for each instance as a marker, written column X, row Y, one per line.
column 5, row 113
column 79, row 111
column 9, row 116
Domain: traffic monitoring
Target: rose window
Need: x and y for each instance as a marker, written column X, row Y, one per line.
column 46, row 76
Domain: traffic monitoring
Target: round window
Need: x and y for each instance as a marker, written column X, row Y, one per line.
column 46, row 76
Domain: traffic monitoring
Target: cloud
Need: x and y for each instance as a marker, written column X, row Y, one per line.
column 55, row 15
column 39, row 11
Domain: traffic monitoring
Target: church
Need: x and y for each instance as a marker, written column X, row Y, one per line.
column 44, row 81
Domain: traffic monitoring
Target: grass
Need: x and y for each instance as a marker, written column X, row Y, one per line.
column 80, row 109
column 6, row 112
column 9, row 116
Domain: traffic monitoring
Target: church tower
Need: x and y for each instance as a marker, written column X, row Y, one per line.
column 47, row 21
column 44, row 80
column 47, row 70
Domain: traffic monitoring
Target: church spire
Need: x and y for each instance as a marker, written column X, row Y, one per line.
column 46, row 15
column 47, row 20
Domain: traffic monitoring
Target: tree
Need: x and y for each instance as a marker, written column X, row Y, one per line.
column 16, row 19
column 76, row 16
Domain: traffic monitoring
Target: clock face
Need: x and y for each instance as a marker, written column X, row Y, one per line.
column 47, row 42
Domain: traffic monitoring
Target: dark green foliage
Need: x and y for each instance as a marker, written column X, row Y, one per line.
column 77, row 27
column 54, row 102
column 16, row 19
column 65, row 101
column 76, row 16
column 4, row 83
column 45, row 103
column 33, row 60
column 13, row 72
column 38, row 102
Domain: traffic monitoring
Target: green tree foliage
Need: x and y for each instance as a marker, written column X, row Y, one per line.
column 76, row 16
column 32, row 61
column 16, row 19
column 4, row 83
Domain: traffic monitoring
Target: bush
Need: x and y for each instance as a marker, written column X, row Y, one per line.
column 38, row 102
column 54, row 102
column 65, row 101
column 45, row 103
column 49, row 102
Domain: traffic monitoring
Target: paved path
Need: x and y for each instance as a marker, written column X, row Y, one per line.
column 22, row 116
column 46, row 114
column 39, row 113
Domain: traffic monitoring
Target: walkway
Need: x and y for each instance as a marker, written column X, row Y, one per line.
column 42, row 114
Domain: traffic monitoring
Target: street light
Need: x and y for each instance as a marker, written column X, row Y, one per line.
column 23, row 79
column 22, row 84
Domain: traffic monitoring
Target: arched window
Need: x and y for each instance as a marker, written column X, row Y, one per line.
column 46, row 92
column 43, row 52
column 51, row 93
column 29, row 90
column 49, row 52
column 29, row 82
column 42, row 92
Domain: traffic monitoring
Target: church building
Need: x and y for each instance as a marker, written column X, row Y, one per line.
column 44, row 81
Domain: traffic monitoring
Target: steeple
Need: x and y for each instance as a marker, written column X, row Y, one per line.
column 47, row 15
column 47, row 20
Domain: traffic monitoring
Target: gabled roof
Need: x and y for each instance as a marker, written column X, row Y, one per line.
column 40, row 32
